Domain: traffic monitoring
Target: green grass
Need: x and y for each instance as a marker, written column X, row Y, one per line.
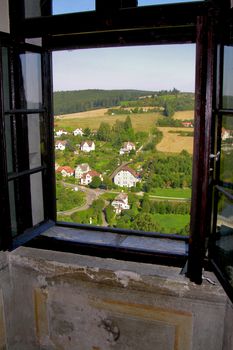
column 108, row 196
column 172, row 192
column 172, row 223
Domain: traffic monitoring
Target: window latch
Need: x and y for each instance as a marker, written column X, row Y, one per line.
column 215, row 156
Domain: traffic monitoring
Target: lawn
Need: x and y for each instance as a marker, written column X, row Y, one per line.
column 172, row 192
column 172, row 223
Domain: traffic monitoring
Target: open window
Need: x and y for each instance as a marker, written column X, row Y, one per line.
column 27, row 162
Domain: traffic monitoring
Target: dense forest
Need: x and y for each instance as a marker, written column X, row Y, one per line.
column 66, row 102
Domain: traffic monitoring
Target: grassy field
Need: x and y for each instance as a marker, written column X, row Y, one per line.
column 92, row 120
column 172, row 223
column 173, row 143
column 184, row 115
column 172, row 192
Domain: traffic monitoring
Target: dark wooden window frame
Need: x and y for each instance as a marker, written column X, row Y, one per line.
column 117, row 26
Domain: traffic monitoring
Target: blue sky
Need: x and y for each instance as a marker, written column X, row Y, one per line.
column 142, row 67
column 68, row 6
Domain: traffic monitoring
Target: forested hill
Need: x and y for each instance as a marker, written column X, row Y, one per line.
column 66, row 102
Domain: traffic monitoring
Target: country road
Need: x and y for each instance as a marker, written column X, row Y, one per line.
column 93, row 194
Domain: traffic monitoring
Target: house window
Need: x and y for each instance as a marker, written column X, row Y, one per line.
column 132, row 103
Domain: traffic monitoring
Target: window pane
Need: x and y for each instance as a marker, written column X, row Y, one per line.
column 31, row 80
column 228, row 78
column 226, row 174
column 25, row 142
column 160, row 2
column 37, row 198
column 34, row 140
column 124, row 136
column 5, row 75
column 26, row 202
column 69, row 6
column 36, row 8
column 224, row 242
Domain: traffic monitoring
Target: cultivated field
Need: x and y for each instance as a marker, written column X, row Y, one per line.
column 92, row 120
column 173, row 143
column 183, row 115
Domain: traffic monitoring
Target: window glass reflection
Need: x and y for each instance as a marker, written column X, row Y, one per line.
column 37, row 201
column 70, row 6
column 31, row 79
column 161, row 2
column 224, row 242
column 228, row 78
column 226, row 174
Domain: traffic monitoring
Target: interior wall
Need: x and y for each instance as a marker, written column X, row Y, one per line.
column 65, row 301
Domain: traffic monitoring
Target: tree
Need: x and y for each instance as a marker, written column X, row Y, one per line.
column 104, row 132
column 169, row 109
column 145, row 222
column 96, row 182
column 87, row 132
column 145, row 204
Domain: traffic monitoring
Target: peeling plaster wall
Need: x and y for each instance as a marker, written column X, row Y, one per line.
column 64, row 301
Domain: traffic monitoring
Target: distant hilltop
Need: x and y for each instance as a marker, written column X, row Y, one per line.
column 66, row 102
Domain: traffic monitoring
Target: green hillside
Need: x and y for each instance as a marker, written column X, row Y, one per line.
column 66, row 102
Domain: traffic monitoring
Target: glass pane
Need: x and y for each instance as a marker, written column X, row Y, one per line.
column 26, row 202
column 9, row 143
column 226, row 174
column 31, row 80
column 227, row 78
column 161, row 2
column 5, row 75
column 37, row 201
column 224, row 243
column 12, row 208
column 37, row 8
column 69, row 6
column 34, row 140
column 25, row 142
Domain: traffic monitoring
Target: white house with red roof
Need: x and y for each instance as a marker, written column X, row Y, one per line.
column 81, row 169
column 127, row 147
column 188, row 124
column 60, row 145
column 66, row 171
column 126, row 177
column 120, row 203
column 87, row 146
column 87, row 178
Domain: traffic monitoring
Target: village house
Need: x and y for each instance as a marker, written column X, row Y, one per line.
column 120, row 203
column 127, row 147
column 60, row 145
column 81, row 169
column 78, row 132
column 126, row 177
column 61, row 132
column 87, row 146
column 66, row 171
column 187, row 124
column 87, row 178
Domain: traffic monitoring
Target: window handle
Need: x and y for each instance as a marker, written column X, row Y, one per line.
column 215, row 156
